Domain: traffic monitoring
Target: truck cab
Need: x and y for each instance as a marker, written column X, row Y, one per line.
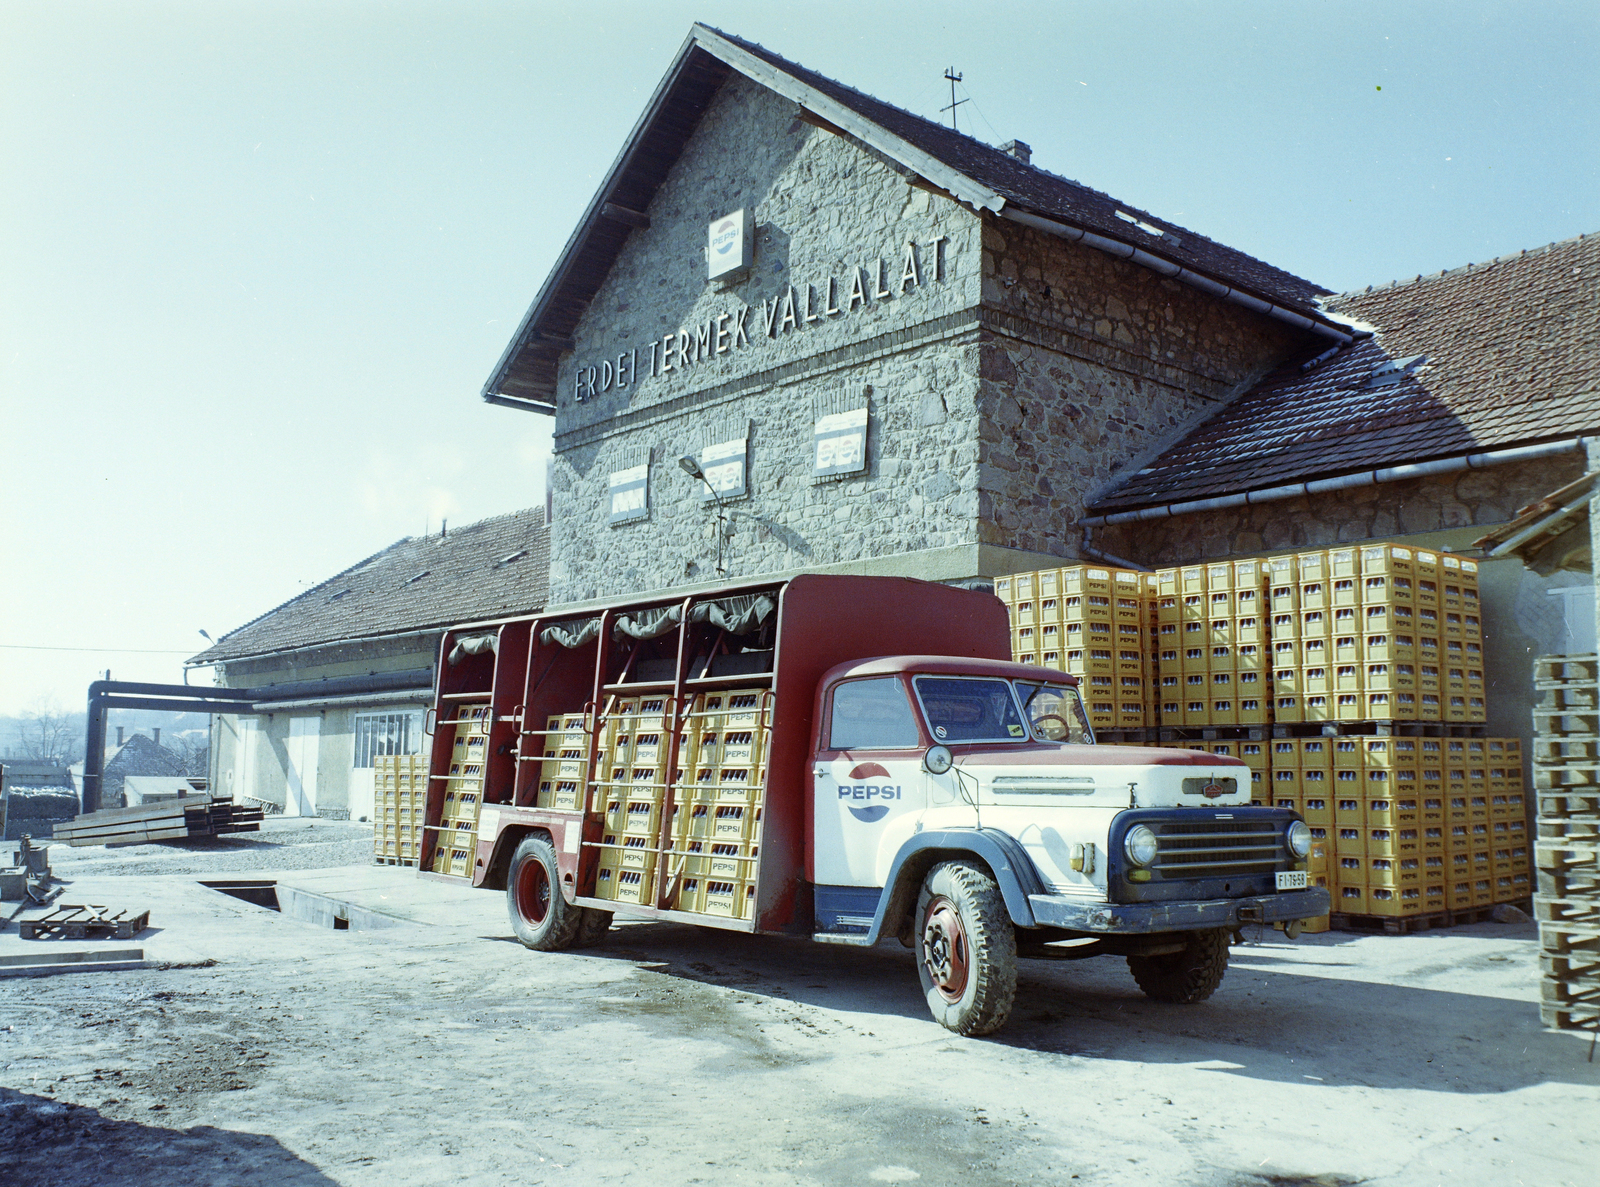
column 920, row 761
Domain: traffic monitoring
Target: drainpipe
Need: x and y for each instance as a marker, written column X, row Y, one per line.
column 1320, row 486
column 1116, row 562
column 1127, row 251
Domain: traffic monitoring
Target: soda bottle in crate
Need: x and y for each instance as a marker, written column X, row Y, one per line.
column 633, row 886
column 695, row 821
column 687, row 896
column 735, row 823
column 640, row 817
column 730, row 899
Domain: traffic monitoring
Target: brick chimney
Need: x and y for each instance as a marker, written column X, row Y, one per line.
column 155, row 735
column 119, row 735
column 1016, row 148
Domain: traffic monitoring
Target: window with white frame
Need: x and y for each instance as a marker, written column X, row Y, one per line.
column 378, row 734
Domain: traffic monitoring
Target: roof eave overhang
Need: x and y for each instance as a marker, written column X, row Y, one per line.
column 1109, row 514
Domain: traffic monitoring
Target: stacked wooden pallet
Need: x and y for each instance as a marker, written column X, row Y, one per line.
column 1566, row 774
column 165, row 820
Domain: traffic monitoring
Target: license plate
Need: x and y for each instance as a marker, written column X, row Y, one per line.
column 1291, row 879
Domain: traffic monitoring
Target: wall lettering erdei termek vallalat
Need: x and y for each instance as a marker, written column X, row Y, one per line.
column 826, row 298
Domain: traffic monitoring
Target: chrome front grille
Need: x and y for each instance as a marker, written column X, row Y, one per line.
column 1216, row 849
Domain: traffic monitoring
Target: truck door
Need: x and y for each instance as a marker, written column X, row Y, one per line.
column 868, row 784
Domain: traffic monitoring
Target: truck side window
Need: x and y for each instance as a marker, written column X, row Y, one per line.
column 870, row 715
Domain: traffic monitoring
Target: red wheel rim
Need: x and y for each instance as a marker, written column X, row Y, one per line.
column 533, row 891
column 944, row 948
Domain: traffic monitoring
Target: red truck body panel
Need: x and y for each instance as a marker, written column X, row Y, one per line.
column 820, row 621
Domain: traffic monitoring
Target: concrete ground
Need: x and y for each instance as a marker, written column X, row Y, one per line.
column 257, row 1048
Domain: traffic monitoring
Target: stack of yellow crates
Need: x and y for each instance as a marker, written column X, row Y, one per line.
column 1420, row 826
column 717, row 788
column 400, row 789
column 566, row 755
column 1093, row 623
column 1380, row 632
column 456, row 835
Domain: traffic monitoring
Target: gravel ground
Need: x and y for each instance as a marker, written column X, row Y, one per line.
column 408, row 1057
column 293, row 844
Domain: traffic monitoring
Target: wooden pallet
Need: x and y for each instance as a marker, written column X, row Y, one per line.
column 1566, row 723
column 381, row 860
column 1577, row 882
column 1565, row 750
column 1553, row 776
column 80, row 921
column 1581, row 669
column 1386, row 728
column 1576, row 911
column 1568, row 698
column 1399, row 925
column 1568, row 804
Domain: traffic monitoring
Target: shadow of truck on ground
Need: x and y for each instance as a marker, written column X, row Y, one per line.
column 47, row 1143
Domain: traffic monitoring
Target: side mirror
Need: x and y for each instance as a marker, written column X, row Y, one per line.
column 937, row 760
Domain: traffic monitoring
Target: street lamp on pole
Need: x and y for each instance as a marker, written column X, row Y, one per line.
column 691, row 467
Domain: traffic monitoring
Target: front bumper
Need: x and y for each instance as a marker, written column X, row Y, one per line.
column 1051, row 910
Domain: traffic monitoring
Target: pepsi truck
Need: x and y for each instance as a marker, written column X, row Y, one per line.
column 847, row 759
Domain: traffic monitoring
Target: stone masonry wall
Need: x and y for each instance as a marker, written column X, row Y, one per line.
column 826, row 209
column 1391, row 510
column 1091, row 364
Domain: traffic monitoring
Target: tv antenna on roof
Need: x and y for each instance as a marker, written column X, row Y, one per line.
column 953, row 78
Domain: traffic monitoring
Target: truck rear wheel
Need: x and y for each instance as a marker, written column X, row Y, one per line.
column 541, row 918
column 1188, row 976
column 592, row 927
column 966, row 949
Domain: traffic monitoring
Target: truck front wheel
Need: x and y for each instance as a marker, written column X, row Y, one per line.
column 966, row 949
column 541, row 918
column 1188, row 976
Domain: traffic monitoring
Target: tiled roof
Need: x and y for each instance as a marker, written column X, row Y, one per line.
column 495, row 567
column 1512, row 358
column 1041, row 192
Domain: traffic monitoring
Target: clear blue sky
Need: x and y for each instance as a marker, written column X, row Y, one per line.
column 256, row 260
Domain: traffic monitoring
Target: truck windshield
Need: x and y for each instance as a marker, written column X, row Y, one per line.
column 1055, row 712
column 970, row 709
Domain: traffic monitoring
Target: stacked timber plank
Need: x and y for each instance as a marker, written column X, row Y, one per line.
column 1566, row 774
column 165, row 820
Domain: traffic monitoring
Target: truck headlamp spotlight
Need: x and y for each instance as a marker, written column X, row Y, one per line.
column 1140, row 845
column 938, row 759
column 1299, row 838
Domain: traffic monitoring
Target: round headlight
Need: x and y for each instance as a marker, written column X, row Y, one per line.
column 1299, row 838
column 938, row 759
column 1140, row 845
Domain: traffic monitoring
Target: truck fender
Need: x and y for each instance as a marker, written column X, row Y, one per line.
column 499, row 867
column 1007, row 860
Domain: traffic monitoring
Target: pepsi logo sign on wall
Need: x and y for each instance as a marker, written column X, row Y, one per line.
column 724, row 235
column 859, row 790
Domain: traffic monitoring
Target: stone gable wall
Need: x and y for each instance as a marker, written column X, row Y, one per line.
column 1091, row 364
column 823, row 207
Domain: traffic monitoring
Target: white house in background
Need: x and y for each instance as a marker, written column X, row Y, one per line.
column 350, row 663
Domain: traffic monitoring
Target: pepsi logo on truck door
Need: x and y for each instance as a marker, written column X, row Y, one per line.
column 865, row 787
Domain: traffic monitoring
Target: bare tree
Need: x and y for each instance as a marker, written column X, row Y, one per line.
column 48, row 735
column 193, row 748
